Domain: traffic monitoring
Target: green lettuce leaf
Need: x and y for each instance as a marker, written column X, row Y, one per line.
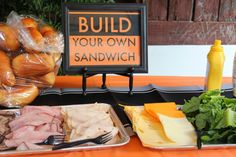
column 228, row 119
column 214, row 115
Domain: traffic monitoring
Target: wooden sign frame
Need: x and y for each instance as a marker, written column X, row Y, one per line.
column 75, row 9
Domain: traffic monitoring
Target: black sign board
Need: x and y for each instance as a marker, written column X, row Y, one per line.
column 105, row 38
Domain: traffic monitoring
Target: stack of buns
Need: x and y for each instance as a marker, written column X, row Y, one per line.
column 24, row 69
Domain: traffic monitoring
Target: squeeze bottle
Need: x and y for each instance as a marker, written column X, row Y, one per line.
column 216, row 60
column 234, row 76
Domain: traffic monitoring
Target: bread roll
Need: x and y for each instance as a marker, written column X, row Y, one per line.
column 56, row 57
column 37, row 38
column 8, row 38
column 50, row 34
column 29, row 23
column 47, row 80
column 26, row 65
column 45, row 29
column 51, row 37
column 2, row 96
column 18, row 95
column 6, row 74
column 36, row 35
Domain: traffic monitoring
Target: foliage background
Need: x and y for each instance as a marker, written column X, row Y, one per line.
column 47, row 10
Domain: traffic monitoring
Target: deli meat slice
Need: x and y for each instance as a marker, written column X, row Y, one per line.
column 34, row 118
column 34, row 125
column 5, row 118
column 54, row 127
column 89, row 121
column 29, row 146
column 36, row 115
column 28, row 136
column 52, row 111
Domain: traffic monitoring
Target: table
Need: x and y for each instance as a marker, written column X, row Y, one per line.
column 134, row 148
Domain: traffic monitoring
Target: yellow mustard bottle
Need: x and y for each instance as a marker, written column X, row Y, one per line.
column 216, row 60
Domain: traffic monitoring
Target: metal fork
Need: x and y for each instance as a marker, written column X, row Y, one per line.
column 53, row 140
column 102, row 139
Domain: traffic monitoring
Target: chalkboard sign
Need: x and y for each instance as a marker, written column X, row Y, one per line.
column 105, row 38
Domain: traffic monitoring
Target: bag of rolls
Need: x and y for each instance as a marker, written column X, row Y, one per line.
column 30, row 56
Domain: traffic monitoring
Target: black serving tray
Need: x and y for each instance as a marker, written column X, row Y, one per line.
column 146, row 94
column 115, row 96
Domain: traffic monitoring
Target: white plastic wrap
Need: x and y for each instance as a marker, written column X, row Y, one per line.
column 30, row 56
column 52, row 41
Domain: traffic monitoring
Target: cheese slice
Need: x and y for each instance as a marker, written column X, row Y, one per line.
column 129, row 111
column 179, row 130
column 159, row 130
column 148, row 129
column 167, row 108
column 161, row 106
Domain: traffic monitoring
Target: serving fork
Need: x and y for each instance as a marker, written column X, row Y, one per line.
column 53, row 140
column 102, row 139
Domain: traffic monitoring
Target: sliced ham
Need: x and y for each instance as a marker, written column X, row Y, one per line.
column 22, row 132
column 53, row 127
column 52, row 111
column 43, row 127
column 29, row 137
column 34, row 125
column 34, row 118
column 5, row 118
column 29, row 146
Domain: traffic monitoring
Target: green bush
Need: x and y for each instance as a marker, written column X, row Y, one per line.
column 48, row 10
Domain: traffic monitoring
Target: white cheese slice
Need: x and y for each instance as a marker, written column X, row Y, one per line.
column 149, row 130
column 179, row 130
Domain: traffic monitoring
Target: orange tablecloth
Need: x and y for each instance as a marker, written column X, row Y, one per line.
column 96, row 81
column 134, row 148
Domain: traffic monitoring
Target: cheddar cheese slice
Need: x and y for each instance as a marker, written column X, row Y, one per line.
column 168, row 109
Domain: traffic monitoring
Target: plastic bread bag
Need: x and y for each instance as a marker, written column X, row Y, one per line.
column 35, row 35
column 8, row 38
column 22, row 75
column 30, row 56
column 42, row 47
column 18, row 95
